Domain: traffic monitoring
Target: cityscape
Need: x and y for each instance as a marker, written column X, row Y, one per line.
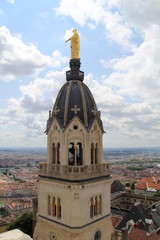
column 80, row 120
column 19, row 173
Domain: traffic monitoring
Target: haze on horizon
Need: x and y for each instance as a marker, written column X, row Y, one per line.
column 119, row 51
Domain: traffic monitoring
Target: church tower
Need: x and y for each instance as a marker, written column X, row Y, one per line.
column 74, row 184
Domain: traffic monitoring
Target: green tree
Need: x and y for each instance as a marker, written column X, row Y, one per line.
column 157, row 194
column 28, row 165
column 24, row 223
column 3, row 212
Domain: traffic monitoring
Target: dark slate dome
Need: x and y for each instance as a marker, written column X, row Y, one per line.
column 75, row 99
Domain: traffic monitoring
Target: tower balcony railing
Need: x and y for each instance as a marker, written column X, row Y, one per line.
column 74, row 172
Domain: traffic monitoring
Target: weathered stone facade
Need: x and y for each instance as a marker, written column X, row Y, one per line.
column 74, row 184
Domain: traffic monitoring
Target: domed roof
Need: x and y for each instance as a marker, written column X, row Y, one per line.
column 74, row 99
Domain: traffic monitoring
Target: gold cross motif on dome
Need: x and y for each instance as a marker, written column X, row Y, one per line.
column 56, row 110
column 94, row 111
column 75, row 109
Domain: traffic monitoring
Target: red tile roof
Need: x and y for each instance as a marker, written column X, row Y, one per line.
column 139, row 234
column 116, row 220
column 150, row 182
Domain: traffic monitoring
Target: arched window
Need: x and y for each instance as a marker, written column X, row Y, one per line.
column 75, row 154
column 49, row 205
column 92, row 208
column 96, row 206
column 71, row 155
column 96, row 153
column 97, row 235
column 92, row 148
column 100, row 204
column 53, row 207
column 58, row 153
column 58, row 213
column 79, row 154
column 60, row 209
column 53, row 154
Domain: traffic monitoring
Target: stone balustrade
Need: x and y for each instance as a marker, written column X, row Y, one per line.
column 73, row 172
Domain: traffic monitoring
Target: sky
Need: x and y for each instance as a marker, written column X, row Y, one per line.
column 120, row 56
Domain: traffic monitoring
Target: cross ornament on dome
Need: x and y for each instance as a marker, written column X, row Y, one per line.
column 75, row 109
column 56, row 110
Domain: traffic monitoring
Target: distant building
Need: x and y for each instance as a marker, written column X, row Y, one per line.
column 123, row 201
column 137, row 216
column 147, row 186
column 3, row 225
column 15, row 206
column 136, row 225
column 156, row 219
column 116, row 186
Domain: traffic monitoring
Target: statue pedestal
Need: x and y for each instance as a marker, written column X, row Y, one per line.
column 74, row 73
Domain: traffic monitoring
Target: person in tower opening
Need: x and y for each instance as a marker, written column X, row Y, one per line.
column 74, row 45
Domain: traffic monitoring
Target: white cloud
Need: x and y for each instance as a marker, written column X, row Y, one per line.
column 4, row 121
column 122, row 114
column 120, row 18
column 29, row 113
column 134, row 120
column 11, row 1
column 50, row 84
column 93, row 12
column 138, row 75
column 128, row 98
column 117, row 30
column 68, row 33
column 58, row 59
column 136, row 78
column 29, row 125
column 44, row 15
column 82, row 11
column 91, row 26
column 140, row 13
column 130, row 119
column 19, row 59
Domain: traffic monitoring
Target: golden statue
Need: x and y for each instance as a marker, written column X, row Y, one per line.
column 74, row 45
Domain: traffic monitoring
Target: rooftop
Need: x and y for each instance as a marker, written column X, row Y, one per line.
column 150, row 183
column 138, row 215
column 140, row 234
